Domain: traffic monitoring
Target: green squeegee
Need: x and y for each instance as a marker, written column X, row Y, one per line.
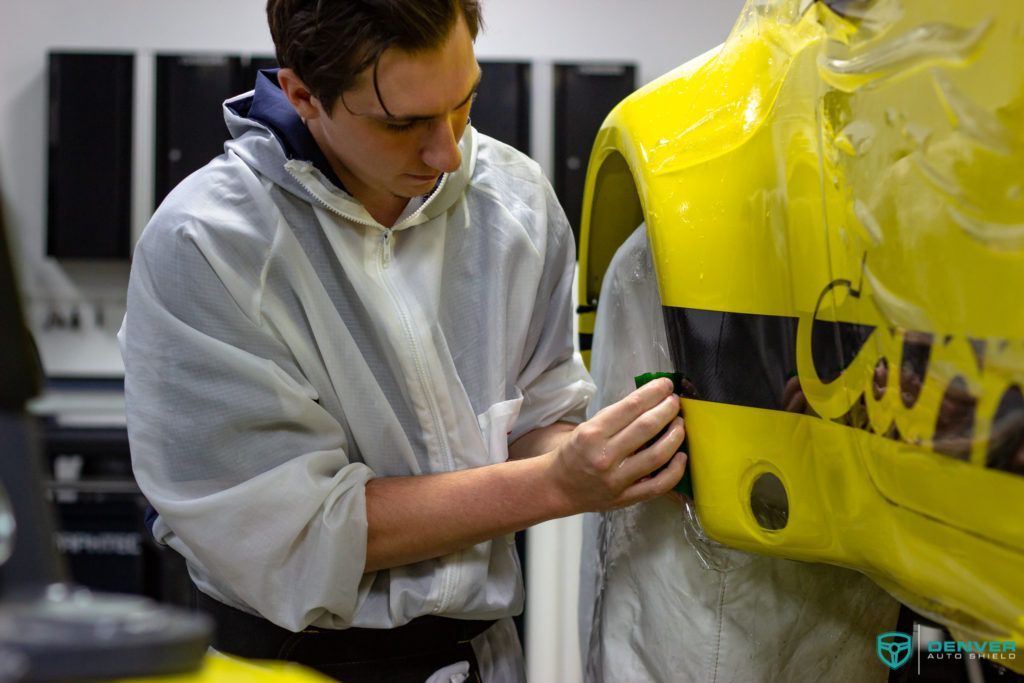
column 685, row 485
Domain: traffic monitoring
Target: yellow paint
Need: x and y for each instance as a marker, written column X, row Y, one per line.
column 863, row 170
column 221, row 669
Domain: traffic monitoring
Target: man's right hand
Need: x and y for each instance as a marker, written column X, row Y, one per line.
column 599, row 465
column 604, row 463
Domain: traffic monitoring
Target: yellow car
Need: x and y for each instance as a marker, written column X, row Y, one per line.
column 835, row 205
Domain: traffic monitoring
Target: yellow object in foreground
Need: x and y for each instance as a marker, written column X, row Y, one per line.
column 835, row 205
column 219, row 668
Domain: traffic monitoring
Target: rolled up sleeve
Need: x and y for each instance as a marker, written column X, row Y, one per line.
column 248, row 472
column 555, row 384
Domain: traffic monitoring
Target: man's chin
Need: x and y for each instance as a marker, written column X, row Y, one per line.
column 419, row 181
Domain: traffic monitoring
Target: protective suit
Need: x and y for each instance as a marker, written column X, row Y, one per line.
column 661, row 602
column 282, row 348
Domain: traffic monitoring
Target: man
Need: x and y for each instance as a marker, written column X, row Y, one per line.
column 335, row 331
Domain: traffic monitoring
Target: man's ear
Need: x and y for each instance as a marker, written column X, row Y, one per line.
column 298, row 94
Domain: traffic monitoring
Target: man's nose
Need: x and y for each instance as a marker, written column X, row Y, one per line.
column 442, row 148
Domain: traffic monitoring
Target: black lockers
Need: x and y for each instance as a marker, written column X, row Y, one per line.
column 584, row 94
column 90, row 155
column 502, row 106
column 190, row 128
column 90, row 148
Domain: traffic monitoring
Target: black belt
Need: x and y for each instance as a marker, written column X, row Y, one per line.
column 414, row 650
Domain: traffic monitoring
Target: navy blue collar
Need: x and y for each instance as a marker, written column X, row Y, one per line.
column 271, row 107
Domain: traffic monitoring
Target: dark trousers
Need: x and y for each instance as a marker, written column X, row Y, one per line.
column 407, row 654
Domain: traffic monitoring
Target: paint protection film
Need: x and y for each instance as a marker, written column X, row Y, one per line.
column 835, row 208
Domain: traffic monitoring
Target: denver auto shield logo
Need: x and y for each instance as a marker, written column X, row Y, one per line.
column 893, row 648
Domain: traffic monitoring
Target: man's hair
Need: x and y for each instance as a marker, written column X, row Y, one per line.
column 328, row 43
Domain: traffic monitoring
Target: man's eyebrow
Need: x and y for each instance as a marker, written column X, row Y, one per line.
column 413, row 119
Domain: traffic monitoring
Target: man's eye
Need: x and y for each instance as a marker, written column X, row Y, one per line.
column 398, row 127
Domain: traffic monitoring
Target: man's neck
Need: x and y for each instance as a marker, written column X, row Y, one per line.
column 384, row 206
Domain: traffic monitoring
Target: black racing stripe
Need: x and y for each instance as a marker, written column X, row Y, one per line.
column 736, row 358
column 749, row 360
column 1006, row 445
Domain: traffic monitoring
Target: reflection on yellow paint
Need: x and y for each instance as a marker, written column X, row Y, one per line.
column 854, row 169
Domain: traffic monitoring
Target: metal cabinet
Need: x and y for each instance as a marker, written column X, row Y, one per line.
column 584, row 94
column 190, row 130
column 90, row 155
column 502, row 106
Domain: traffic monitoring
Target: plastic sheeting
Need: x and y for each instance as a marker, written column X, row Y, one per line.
column 835, row 207
column 662, row 602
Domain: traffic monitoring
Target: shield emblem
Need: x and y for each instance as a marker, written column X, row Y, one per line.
column 893, row 648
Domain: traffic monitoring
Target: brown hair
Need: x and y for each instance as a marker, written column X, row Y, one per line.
column 328, row 43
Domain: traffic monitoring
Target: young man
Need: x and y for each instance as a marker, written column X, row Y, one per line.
column 335, row 331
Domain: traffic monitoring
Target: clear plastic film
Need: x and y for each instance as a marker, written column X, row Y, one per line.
column 630, row 340
column 834, row 203
column 660, row 600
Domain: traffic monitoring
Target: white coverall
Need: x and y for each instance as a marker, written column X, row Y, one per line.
column 650, row 610
column 282, row 348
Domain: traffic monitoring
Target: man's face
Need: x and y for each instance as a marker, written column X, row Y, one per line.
column 394, row 147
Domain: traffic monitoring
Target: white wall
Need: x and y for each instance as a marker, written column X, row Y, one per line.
column 656, row 34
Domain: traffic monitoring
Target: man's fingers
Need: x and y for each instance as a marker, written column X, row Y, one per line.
column 657, row 454
column 662, row 483
column 614, row 418
column 604, row 450
column 635, row 435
